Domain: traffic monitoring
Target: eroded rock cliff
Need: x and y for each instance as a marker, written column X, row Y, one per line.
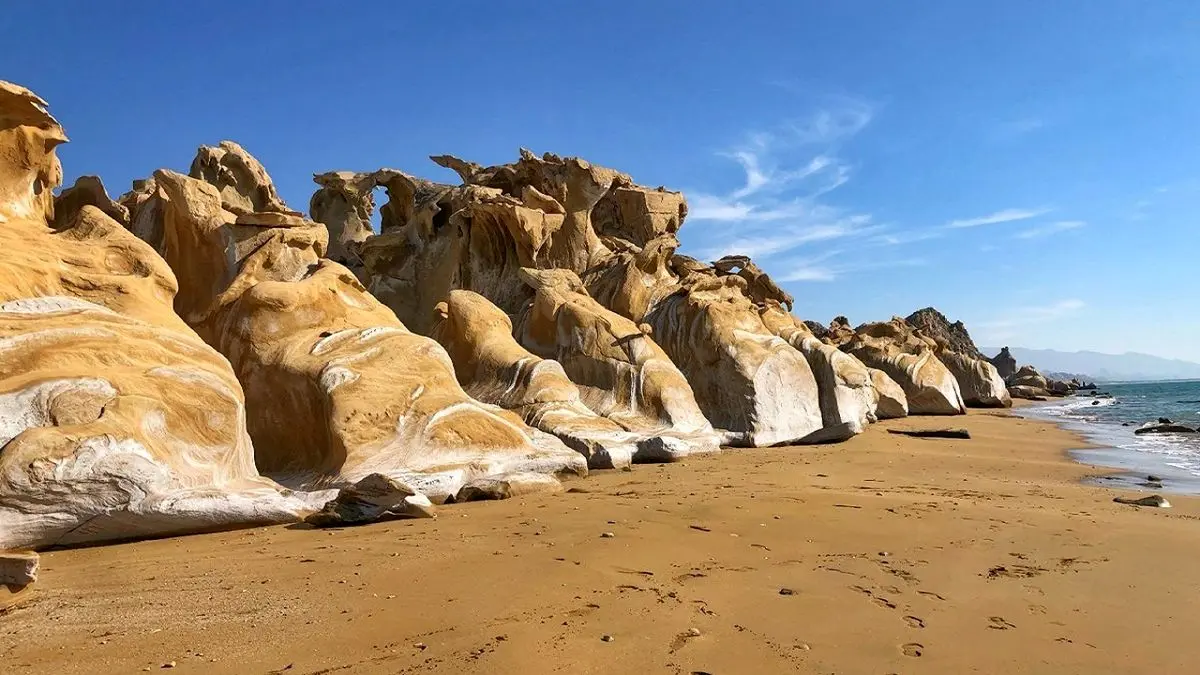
column 908, row 358
column 336, row 386
column 116, row 420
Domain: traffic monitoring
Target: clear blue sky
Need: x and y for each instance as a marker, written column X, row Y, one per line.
column 1030, row 167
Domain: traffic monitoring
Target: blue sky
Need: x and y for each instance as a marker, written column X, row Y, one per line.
column 1032, row 168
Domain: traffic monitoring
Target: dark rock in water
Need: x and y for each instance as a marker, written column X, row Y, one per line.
column 1164, row 426
column 1188, row 402
column 371, row 499
column 932, row 433
column 1154, row 478
column 1127, row 424
column 1095, row 402
column 1153, row 500
column 1152, row 486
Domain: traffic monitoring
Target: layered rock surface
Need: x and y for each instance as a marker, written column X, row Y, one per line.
column 493, row 367
column 545, row 213
column 908, row 358
column 981, row 384
column 336, row 386
column 116, row 420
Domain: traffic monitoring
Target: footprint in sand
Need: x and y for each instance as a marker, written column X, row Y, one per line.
column 915, row 622
column 912, row 649
column 999, row 623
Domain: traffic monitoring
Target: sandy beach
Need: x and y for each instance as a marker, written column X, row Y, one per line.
column 885, row 554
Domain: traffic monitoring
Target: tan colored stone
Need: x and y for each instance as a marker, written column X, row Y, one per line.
column 494, row 368
column 908, row 358
column 116, row 420
column 339, row 388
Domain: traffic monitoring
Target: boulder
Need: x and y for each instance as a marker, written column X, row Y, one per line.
column 493, row 367
column 507, row 486
column 339, row 388
column 893, row 402
column 1164, row 426
column 371, row 499
column 1028, row 376
column 980, row 382
column 909, row 359
column 1157, row 501
column 1026, row 392
column 18, row 568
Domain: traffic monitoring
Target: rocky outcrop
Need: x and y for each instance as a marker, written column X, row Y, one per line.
column 336, row 386
column 87, row 191
column 344, row 204
column 909, row 359
column 982, row 386
column 847, row 391
column 116, row 420
column 493, row 367
column 1006, row 363
column 893, row 402
column 622, row 374
column 978, row 379
column 954, row 336
column 618, row 239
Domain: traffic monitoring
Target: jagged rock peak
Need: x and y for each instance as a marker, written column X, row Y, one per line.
column 953, row 336
column 242, row 181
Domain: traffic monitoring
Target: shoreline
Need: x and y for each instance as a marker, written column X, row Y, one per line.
column 1115, row 467
column 942, row 555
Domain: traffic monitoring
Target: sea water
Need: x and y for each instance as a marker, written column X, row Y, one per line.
column 1108, row 423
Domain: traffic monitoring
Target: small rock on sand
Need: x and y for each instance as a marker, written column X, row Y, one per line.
column 18, row 568
column 607, row 638
column 1153, row 500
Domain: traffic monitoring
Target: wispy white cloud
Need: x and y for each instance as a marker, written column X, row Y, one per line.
column 817, row 269
column 1020, row 126
column 1002, row 216
column 906, row 237
column 778, row 206
column 1009, row 324
column 1052, row 228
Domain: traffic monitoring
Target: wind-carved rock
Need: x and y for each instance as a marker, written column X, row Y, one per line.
column 336, row 386
column 493, row 367
column 545, row 213
column 345, row 204
column 116, row 420
column 978, row 379
column 751, row 384
column 621, row 373
column 909, row 359
column 847, row 394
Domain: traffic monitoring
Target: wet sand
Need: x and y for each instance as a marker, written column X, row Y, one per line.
column 885, row 554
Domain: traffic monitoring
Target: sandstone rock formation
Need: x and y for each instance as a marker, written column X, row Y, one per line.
column 909, row 359
column 116, row 420
column 618, row 239
column 934, row 324
column 621, row 373
column 847, row 392
column 493, row 367
column 336, row 386
column 980, row 382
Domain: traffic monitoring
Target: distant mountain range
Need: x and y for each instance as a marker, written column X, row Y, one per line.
column 1104, row 367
